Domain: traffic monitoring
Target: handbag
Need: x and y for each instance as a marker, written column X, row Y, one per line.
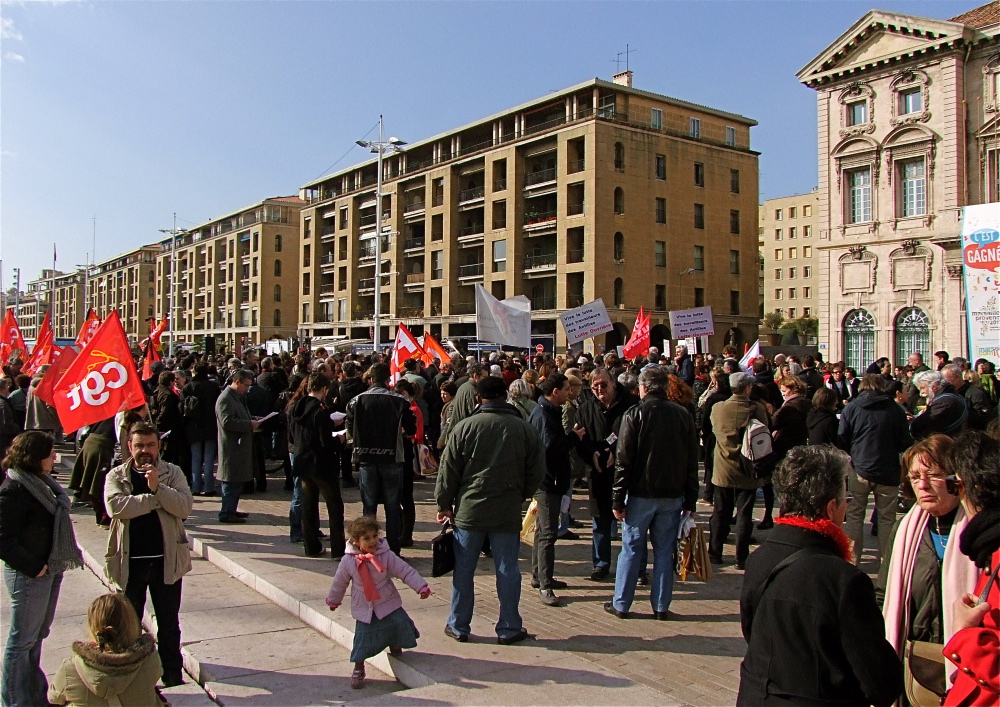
column 443, row 551
column 528, row 524
column 428, row 464
column 924, row 673
column 692, row 556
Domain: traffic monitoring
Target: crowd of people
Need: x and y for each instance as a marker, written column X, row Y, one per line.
column 503, row 430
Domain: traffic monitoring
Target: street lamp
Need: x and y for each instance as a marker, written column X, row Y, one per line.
column 173, row 282
column 380, row 147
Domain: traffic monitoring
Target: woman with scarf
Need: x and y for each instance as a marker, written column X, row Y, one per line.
column 926, row 571
column 813, row 629
column 37, row 545
column 973, row 652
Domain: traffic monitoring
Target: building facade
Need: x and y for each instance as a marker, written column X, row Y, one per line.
column 126, row 283
column 234, row 278
column 788, row 239
column 597, row 191
column 908, row 135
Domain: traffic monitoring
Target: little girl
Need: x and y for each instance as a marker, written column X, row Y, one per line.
column 369, row 566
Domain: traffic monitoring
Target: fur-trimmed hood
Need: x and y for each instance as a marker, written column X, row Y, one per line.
column 109, row 674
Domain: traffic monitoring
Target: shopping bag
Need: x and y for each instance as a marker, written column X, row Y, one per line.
column 443, row 551
column 692, row 556
column 425, row 457
column 528, row 525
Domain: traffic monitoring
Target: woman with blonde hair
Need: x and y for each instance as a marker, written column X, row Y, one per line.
column 520, row 397
column 118, row 666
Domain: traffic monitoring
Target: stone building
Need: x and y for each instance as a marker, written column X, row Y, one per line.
column 126, row 283
column 788, row 240
column 598, row 190
column 908, row 135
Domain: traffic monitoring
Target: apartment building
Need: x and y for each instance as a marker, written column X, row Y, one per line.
column 909, row 133
column 599, row 190
column 126, row 283
column 234, row 278
column 30, row 311
column 787, row 241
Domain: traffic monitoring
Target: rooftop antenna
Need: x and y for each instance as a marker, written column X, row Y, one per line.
column 618, row 59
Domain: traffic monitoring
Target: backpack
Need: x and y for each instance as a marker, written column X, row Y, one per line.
column 757, row 450
column 189, row 406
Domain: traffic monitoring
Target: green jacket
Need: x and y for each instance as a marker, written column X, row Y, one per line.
column 493, row 461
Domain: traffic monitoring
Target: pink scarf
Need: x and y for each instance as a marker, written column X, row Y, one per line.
column 367, row 583
column 958, row 574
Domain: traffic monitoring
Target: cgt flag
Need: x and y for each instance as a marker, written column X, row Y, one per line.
column 433, row 350
column 44, row 391
column 11, row 341
column 42, row 348
column 102, row 380
column 638, row 343
column 149, row 357
column 88, row 328
column 406, row 346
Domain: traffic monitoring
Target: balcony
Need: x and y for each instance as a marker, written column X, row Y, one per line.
column 326, row 259
column 544, row 125
column 537, row 262
column 414, row 278
column 365, row 313
column 413, row 243
column 411, row 312
column 539, row 177
column 574, row 255
column 540, row 218
column 473, row 230
column 367, row 251
column 327, row 231
column 574, row 209
column 368, row 220
column 471, row 194
column 471, row 270
column 500, row 185
column 543, row 303
column 326, row 289
column 576, row 166
column 414, row 206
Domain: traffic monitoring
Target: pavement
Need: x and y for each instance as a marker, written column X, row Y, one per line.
column 256, row 630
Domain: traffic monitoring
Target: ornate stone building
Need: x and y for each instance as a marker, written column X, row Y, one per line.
column 908, row 135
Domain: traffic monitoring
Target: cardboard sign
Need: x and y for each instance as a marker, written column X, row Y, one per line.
column 686, row 323
column 586, row 322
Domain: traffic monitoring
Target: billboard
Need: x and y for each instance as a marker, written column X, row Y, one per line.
column 981, row 269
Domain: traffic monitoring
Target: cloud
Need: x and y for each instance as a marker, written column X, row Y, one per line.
column 13, row 56
column 7, row 30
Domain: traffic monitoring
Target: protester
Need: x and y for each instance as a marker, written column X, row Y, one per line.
column 448, row 390
column 520, row 397
column 91, row 466
column 810, row 376
column 684, row 366
column 148, row 500
column 380, row 620
column 845, row 389
column 980, row 410
column 718, row 390
column 350, row 387
column 493, row 461
column 236, row 428
column 946, row 411
column 813, row 629
column 198, row 400
column 119, row 665
column 9, row 428
column 165, row 411
column 656, row 477
column 822, row 421
column 37, row 545
column 788, row 430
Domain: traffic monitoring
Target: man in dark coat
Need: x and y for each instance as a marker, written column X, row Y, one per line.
column 946, row 412
column 810, row 376
column 198, row 406
column 684, row 365
column 236, row 428
column 350, row 387
column 977, row 403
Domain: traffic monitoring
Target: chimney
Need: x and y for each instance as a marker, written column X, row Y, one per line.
column 623, row 78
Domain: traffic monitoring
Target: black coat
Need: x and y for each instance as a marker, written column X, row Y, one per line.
column 788, row 426
column 822, row 426
column 817, row 636
column 946, row 414
column 813, row 380
column 201, row 425
column 546, row 418
column 25, row 529
column 600, row 423
column 874, row 432
column 316, row 453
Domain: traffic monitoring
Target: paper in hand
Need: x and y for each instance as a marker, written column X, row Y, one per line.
column 341, row 433
column 338, row 417
column 266, row 417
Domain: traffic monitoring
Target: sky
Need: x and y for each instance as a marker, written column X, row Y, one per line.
column 134, row 111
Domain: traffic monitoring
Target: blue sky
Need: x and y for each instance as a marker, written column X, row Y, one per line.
column 135, row 110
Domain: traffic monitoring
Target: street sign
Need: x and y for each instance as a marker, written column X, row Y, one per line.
column 540, row 348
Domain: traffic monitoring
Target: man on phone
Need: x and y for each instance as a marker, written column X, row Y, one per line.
column 148, row 500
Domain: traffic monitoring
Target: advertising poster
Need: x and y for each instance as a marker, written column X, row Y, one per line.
column 981, row 267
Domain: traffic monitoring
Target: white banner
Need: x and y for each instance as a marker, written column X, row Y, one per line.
column 585, row 322
column 507, row 323
column 692, row 322
column 981, row 266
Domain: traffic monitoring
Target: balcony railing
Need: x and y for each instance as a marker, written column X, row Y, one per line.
column 574, row 209
column 500, row 184
column 366, row 252
column 327, row 231
column 437, row 200
column 535, row 217
column 544, row 125
column 476, row 228
column 414, row 206
column 574, row 255
column 539, row 261
column 413, row 243
column 471, row 194
column 543, row 302
column 364, row 313
column 326, row 259
column 414, row 278
column 411, row 312
column 368, row 220
column 326, row 289
column 576, row 166
column 470, row 270
column 544, row 175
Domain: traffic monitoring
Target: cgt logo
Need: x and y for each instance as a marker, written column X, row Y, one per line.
column 94, row 388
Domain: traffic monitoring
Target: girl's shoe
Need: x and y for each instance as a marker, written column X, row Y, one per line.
column 358, row 678
column 395, row 651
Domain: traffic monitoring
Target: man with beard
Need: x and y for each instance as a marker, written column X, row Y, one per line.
column 148, row 500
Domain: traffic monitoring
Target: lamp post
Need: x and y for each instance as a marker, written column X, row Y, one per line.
column 173, row 283
column 379, row 148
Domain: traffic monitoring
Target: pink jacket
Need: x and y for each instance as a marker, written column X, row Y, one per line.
column 389, row 599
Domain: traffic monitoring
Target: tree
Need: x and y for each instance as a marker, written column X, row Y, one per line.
column 774, row 320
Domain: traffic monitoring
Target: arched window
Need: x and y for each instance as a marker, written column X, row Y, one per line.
column 152, row 276
column 859, row 339
column 277, row 293
column 619, row 157
column 913, row 334
column 619, row 201
column 277, row 243
column 277, row 268
column 619, row 291
column 277, row 317
column 619, row 248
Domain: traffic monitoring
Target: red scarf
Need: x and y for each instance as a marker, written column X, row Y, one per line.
column 824, row 527
column 367, row 583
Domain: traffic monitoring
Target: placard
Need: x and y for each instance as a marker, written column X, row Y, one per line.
column 981, row 266
column 686, row 323
column 585, row 322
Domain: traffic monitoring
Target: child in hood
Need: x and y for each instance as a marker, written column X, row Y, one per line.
column 369, row 566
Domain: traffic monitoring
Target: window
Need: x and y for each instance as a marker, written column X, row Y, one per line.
column 619, row 292
column 342, row 278
column 857, row 113
column 777, row 253
column 661, row 297
column 661, row 210
column 807, row 271
column 499, row 256
column 792, row 211
column 437, row 264
column 734, row 262
column 807, row 251
column 699, row 257
column 699, row 216
column 619, row 248
column 734, row 221
column 807, row 293
column 777, row 293
column 277, row 317
column 792, row 273
column 695, row 128
column 792, row 232
column 913, row 188
column 619, row 157
column 912, row 333
column 791, row 293
column 777, row 273
column 859, row 195
column 256, row 241
column 778, row 214
column 277, row 243
column 661, row 167
column 793, row 252
column 730, row 136
column 152, row 276
column 277, row 268
column 255, row 267
column 807, row 231
column 699, row 297
column 806, row 311
column 305, row 284
column 656, row 119
column 619, row 201
column 859, row 338
column 660, row 253
column 734, row 181
column 807, row 211
column 343, row 217
column 777, row 234
column 277, row 293
column 911, row 101
column 307, row 228
column 699, row 174
column 734, row 301
column 791, row 312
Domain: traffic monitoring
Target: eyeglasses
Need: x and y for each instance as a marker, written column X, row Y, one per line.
column 915, row 477
column 598, row 386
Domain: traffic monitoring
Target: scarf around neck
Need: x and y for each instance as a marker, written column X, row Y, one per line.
column 65, row 554
column 367, row 583
column 824, row 527
column 981, row 536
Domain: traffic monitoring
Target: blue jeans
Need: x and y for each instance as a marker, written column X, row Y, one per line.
column 231, row 491
column 660, row 518
column 468, row 544
column 381, row 483
column 295, row 513
column 602, row 541
column 32, row 608
column 203, row 466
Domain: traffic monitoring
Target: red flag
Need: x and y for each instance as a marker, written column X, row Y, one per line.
column 43, row 346
column 154, row 336
column 638, row 343
column 11, row 341
column 88, row 328
column 432, row 350
column 406, row 346
column 149, row 357
column 44, row 389
column 102, row 380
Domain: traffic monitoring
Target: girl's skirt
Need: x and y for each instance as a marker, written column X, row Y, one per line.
column 395, row 629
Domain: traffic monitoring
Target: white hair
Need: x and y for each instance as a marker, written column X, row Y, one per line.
column 932, row 380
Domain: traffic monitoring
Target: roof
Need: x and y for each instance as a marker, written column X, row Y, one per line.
column 288, row 199
column 982, row 16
